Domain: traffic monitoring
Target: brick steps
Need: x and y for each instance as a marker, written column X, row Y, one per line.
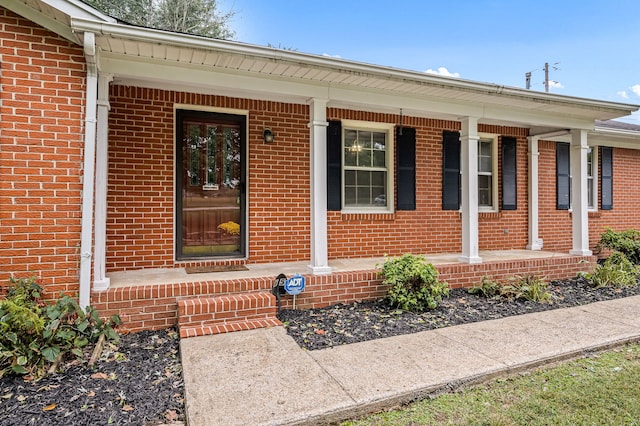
column 201, row 316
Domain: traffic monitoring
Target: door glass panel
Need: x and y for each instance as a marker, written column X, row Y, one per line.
column 210, row 213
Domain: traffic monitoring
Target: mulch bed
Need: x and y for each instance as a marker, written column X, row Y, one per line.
column 139, row 381
column 357, row 322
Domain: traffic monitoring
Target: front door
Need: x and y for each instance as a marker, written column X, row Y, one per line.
column 210, row 177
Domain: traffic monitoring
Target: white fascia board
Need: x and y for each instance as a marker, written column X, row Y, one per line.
column 39, row 18
column 70, row 8
column 78, row 9
column 615, row 138
column 612, row 109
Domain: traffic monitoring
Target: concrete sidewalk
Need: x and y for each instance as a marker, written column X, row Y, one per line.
column 262, row 377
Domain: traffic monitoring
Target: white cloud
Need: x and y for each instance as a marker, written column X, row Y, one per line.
column 623, row 94
column 555, row 84
column 636, row 89
column 332, row 56
column 443, row 71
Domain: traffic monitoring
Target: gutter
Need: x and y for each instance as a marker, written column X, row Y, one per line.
column 142, row 34
column 91, row 103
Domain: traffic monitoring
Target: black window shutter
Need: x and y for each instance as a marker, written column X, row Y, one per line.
column 606, row 178
column 563, row 176
column 406, row 172
column 334, row 165
column 509, row 174
column 450, row 170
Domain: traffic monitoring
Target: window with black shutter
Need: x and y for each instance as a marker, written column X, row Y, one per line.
column 606, row 178
column 406, row 168
column 334, row 166
column 509, row 174
column 563, row 176
column 450, row 170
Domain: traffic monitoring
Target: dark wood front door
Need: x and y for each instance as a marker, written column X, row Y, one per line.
column 210, row 182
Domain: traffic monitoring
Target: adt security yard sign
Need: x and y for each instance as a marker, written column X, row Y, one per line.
column 294, row 285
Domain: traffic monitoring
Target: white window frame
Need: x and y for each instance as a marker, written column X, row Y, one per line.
column 487, row 137
column 594, row 177
column 387, row 128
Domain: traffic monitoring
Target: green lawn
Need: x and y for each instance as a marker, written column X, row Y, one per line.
column 603, row 389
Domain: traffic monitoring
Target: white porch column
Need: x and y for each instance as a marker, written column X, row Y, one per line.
column 535, row 243
column 579, row 200
column 469, row 168
column 318, row 126
column 101, row 282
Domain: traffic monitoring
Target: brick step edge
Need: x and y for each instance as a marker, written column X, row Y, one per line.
column 228, row 327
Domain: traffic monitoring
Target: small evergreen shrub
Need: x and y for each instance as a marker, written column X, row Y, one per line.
column 626, row 242
column 487, row 288
column 616, row 271
column 35, row 336
column 413, row 283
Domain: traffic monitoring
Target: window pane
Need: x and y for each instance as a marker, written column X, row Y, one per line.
column 365, row 139
column 484, row 191
column 590, row 162
column 364, row 158
column 380, row 141
column 350, row 177
column 590, row 193
column 378, row 159
column 484, row 164
column 364, row 196
column 350, row 157
column 350, row 137
column 378, row 178
column 350, row 196
column 364, row 178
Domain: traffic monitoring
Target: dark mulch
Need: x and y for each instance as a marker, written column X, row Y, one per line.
column 137, row 382
column 357, row 322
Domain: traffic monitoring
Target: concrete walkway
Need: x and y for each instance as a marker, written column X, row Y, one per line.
column 262, row 377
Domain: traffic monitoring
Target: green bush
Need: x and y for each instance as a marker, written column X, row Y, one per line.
column 527, row 287
column 487, row 288
column 413, row 283
column 617, row 271
column 626, row 242
column 34, row 336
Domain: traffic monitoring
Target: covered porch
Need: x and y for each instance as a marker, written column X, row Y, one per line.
column 206, row 303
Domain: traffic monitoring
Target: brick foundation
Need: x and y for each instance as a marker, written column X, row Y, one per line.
column 153, row 307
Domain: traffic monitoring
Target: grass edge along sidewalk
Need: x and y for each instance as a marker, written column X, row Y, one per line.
column 599, row 388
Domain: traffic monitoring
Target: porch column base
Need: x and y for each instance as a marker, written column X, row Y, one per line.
column 320, row 270
column 102, row 285
column 470, row 259
column 536, row 245
column 581, row 252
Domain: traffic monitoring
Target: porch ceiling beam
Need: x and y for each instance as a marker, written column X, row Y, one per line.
column 163, row 75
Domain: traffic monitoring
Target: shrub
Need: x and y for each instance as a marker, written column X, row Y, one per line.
column 527, row 287
column 34, row 336
column 413, row 283
column 626, row 242
column 487, row 288
column 617, row 271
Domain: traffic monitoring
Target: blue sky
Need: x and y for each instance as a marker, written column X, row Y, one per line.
column 595, row 45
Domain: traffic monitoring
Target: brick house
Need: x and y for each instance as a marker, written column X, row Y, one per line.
column 129, row 155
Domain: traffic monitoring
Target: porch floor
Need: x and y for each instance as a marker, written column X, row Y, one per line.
column 179, row 275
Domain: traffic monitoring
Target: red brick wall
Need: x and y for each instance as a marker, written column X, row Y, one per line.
column 42, row 89
column 140, row 201
column 555, row 225
column 428, row 229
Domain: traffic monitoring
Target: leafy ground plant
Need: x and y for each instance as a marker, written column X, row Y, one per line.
column 527, row 287
column 616, row 271
column 36, row 337
column 413, row 283
column 598, row 390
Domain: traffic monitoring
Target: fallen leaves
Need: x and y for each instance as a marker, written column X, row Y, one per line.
column 50, row 407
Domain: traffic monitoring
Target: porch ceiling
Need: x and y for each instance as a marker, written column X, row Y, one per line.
column 153, row 58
